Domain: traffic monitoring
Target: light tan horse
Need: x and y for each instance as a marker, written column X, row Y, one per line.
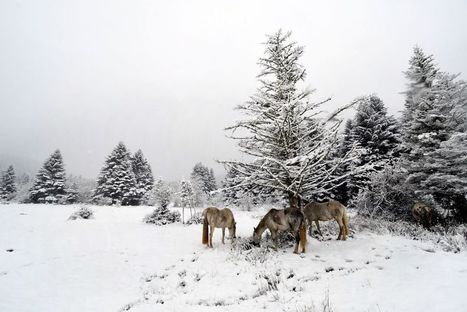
column 217, row 218
column 423, row 214
column 289, row 219
column 327, row 211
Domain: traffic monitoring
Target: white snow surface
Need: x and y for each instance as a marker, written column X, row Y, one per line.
column 115, row 262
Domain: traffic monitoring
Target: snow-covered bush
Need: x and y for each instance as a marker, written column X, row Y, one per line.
column 452, row 239
column 386, row 196
column 82, row 213
column 196, row 218
column 162, row 216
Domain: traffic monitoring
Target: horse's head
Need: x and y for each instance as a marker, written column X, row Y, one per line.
column 256, row 237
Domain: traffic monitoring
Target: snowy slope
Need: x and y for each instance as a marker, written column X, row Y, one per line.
column 115, row 262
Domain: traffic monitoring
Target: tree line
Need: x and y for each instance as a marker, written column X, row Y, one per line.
column 124, row 179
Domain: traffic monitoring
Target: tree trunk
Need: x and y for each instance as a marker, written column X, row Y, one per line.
column 293, row 200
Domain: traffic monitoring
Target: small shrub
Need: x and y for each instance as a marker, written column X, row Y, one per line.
column 82, row 213
column 197, row 218
column 162, row 216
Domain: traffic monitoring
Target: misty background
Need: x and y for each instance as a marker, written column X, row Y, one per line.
column 165, row 76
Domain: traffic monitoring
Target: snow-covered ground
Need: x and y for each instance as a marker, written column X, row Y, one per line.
column 115, row 262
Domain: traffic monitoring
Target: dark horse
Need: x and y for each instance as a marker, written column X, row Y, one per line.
column 280, row 220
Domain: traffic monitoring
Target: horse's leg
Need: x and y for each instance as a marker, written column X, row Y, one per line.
column 210, row 236
column 274, row 238
column 341, row 228
column 310, row 229
column 317, row 225
column 223, row 235
column 297, row 242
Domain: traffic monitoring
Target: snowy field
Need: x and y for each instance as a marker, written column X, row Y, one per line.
column 115, row 262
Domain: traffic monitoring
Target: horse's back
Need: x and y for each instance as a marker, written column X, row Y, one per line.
column 324, row 211
column 219, row 217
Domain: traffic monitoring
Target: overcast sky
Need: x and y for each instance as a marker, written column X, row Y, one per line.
column 164, row 76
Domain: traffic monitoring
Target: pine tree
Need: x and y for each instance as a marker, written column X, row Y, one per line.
column 143, row 175
column 421, row 73
column 204, row 178
column 282, row 133
column 8, row 184
column 230, row 193
column 116, row 182
column 376, row 134
column 433, row 135
column 49, row 185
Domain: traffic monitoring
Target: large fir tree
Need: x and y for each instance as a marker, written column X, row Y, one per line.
column 434, row 134
column 287, row 143
column 49, row 185
column 116, row 182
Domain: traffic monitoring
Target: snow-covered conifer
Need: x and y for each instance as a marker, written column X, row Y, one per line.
column 116, row 183
column 143, row 175
column 377, row 134
column 8, row 184
column 49, row 185
column 162, row 193
column 287, row 142
column 433, row 135
column 204, row 178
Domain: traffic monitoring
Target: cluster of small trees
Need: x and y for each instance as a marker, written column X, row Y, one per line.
column 125, row 179
column 296, row 153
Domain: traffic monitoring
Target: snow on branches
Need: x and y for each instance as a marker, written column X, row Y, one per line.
column 288, row 142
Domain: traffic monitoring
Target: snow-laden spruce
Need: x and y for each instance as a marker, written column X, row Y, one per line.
column 287, row 143
column 8, row 187
column 204, row 183
column 49, row 185
column 116, row 183
column 204, row 177
column 434, row 127
column 143, row 176
column 376, row 133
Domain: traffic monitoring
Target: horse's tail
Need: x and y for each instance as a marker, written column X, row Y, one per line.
column 302, row 233
column 345, row 220
column 205, row 228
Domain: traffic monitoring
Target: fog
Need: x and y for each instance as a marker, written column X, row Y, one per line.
column 165, row 76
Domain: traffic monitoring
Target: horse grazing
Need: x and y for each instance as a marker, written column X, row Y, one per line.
column 217, row 218
column 327, row 211
column 422, row 213
column 289, row 219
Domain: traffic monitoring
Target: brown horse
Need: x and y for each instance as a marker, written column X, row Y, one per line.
column 217, row 218
column 289, row 219
column 327, row 211
column 423, row 214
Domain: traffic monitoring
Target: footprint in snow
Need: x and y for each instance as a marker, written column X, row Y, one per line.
column 348, row 260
